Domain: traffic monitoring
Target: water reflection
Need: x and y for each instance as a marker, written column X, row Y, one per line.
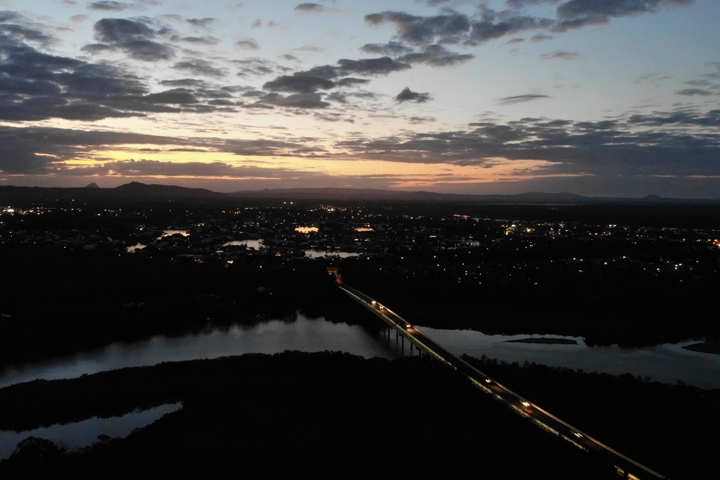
column 274, row 336
column 170, row 233
column 250, row 244
column 73, row 436
column 325, row 253
column 667, row 363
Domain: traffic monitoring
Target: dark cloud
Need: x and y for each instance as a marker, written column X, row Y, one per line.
column 254, row 94
column 694, row 92
column 176, row 96
column 97, row 48
column 560, row 54
column 38, row 86
column 247, row 44
column 521, row 98
column 270, row 147
column 437, row 56
column 583, row 148
column 684, row 118
column 310, row 8
column 200, row 22
column 213, row 93
column 147, row 50
column 300, row 100
column 520, row 4
column 324, row 71
column 36, row 150
column 580, row 13
column 332, row 117
column 541, row 37
column 486, row 29
column 11, row 26
column 408, row 95
column 251, row 67
column 457, row 28
column 298, row 84
column 8, row 16
column 199, row 67
column 222, row 103
column 197, row 40
column 108, row 6
column 372, row 66
column 392, row 49
column 337, row 97
column 185, row 82
column 20, row 153
column 418, row 120
column 698, row 83
column 350, row 82
column 135, row 38
column 451, row 28
column 309, row 81
column 615, row 8
column 154, row 168
column 121, row 30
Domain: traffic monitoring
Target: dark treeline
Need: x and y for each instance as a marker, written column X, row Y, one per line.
column 627, row 306
column 336, row 414
column 64, row 301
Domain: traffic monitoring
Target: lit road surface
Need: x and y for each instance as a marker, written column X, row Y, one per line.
column 625, row 466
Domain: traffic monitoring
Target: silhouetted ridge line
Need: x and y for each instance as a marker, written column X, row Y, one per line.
column 141, row 192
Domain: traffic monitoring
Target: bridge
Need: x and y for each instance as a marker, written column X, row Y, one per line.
column 624, row 466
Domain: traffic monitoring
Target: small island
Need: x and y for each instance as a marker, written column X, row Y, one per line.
column 558, row 341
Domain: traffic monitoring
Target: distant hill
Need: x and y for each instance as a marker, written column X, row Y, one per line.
column 136, row 192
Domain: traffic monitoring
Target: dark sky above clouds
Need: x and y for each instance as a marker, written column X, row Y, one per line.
column 616, row 98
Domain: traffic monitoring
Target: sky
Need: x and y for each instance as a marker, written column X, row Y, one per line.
column 616, row 98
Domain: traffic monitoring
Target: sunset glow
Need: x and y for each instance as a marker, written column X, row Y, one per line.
column 493, row 96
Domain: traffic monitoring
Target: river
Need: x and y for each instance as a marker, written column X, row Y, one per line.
column 668, row 363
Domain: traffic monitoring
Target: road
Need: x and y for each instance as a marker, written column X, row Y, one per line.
column 625, row 466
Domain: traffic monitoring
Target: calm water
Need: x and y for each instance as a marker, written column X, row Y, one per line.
column 275, row 336
column 82, row 434
column 668, row 363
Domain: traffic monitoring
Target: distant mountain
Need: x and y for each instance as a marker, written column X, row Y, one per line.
column 136, row 193
column 161, row 192
column 528, row 198
column 340, row 194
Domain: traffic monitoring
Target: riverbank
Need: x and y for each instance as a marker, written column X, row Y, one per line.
column 282, row 413
column 547, row 341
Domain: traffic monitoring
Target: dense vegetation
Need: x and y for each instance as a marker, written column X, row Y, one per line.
column 334, row 413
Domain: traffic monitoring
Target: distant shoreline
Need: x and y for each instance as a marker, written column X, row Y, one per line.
column 544, row 340
column 702, row 347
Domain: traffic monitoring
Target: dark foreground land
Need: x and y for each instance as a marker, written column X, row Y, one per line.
column 337, row 415
column 69, row 284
